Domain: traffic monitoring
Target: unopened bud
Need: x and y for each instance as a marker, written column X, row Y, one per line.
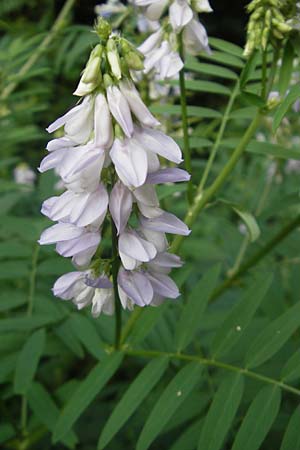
column 114, row 59
column 92, row 71
column 102, row 28
column 134, row 61
column 107, row 81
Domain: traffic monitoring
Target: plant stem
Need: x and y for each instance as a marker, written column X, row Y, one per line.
column 184, row 118
column 32, row 279
column 56, row 27
column 115, row 269
column 202, row 198
column 219, row 136
column 258, row 256
column 215, row 363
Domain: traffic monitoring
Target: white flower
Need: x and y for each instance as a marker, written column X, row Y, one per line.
column 73, row 286
column 120, row 205
column 119, row 108
column 136, row 104
column 23, row 174
column 134, row 250
column 102, row 123
column 79, row 209
column 180, row 14
column 80, row 243
column 78, row 122
column 195, row 38
column 130, row 160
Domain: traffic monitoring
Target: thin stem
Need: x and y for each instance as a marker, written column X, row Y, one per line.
column 215, row 363
column 57, row 26
column 264, row 68
column 240, row 256
column 30, row 302
column 202, row 198
column 184, row 117
column 219, row 136
column 258, row 256
column 115, row 269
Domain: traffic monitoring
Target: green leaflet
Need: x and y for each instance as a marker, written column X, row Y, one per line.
column 86, row 332
column 209, row 69
column 46, row 411
column 192, row 111
column 11, row 299
column 133, row 397
column 227, row 47
column 273, row 337
column 291, row 369
column 283, row 108
column 248, row 219
column 28, row 361
column 240, row 317
column 224, row 58
column 221, row 413
column 203, row 86
column 172, row 397
column 258, row 420
column 286, row 68
column 87, row 390
column 291, row 438
column 189, row 438
column 193, row 310
column 67, row 335
column 266, row 148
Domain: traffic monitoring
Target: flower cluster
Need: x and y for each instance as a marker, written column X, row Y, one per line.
column 108, row 161
column 161, row 48
column 267, row 24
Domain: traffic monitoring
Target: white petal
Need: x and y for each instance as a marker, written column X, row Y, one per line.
column 60, row 232
column 151, row 42
column 102, row 123
column 135, row 247
column 120, row 205
column 136, row 104
column 130, row 160
column 180, row 14
column 157, row 142
column 120, row 109
column 155, row 10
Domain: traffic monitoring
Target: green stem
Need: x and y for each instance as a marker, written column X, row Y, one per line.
column 30, row 302
column 215, row 363
column 202, row 198
column 184, row 118
column 264, row 68
column 57, row 26
column 258, row 256
column 115, row 269
column 219, row 136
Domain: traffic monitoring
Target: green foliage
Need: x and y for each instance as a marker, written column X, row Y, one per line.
column 219, row 367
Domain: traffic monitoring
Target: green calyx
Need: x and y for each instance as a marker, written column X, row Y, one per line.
column 103, row 29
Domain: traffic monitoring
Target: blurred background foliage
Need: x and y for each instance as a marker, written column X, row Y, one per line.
column 48, row 349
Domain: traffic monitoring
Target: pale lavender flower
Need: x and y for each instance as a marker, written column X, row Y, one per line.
column 23, row 174
column 72, row 241
column 120, row 205
column 79, row 209
column 88, row 158
column 165, row 223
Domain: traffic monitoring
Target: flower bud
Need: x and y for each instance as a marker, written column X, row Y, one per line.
column 113, row 58
column 134, row 61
